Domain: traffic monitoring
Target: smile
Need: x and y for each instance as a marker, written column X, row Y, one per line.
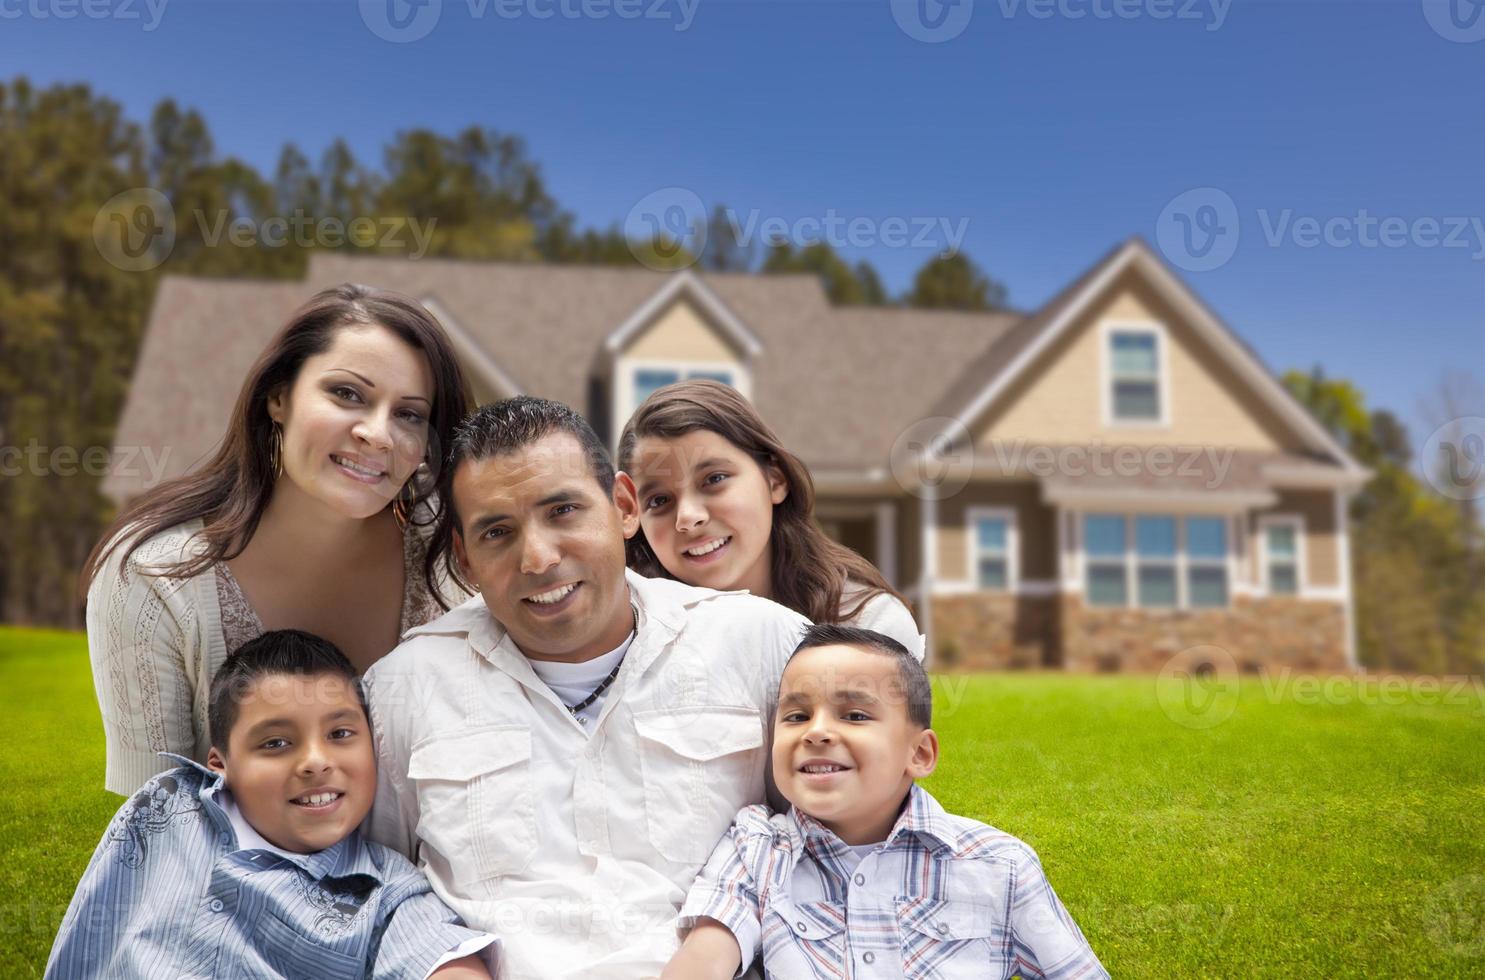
column 552, row 600
column 821, row 768
column 318, row 801
column 708, row 548
column 357, row 470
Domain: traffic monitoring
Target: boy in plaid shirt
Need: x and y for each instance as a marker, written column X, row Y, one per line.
column 867, row 876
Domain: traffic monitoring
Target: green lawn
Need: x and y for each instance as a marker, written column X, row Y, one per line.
column 1295, row 838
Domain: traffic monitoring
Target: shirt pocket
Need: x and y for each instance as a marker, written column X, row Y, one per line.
column 804, row 939
column 476, row 802
column 951, row 939
column 700, row 766
column 293, row 954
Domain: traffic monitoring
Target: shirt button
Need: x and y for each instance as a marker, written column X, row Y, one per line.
column 224, row 837
column 868, row 957
column 860, row 879
column 801, row 927
column 216, row 905
column 943, row 928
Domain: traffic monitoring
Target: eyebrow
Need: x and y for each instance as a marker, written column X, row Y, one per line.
column 372, row 384
column 269, row 724
column 840, row 697
column 479, row 525
column 706, row 464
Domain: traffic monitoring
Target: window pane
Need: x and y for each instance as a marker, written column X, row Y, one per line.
column 1281, row 541
column 991, row 535
column 1206, row 537
column 649, row 380
column 1106, row 585
column 1134, row 354
column 723, row 376
column 1136, row 400
column 1283, row 579
column 1206, row 587
column 992, row 573
column 1157, row 585
column 1155, row 537
column 1103, row 534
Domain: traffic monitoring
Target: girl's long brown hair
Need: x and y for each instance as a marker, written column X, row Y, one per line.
column 231, row 491
column 808, row 570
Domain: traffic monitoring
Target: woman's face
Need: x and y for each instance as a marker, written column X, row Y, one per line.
column 706, row 509
column 355, row 420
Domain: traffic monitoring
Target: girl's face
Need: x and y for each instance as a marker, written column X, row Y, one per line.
column 706, row 509
column 355, row 421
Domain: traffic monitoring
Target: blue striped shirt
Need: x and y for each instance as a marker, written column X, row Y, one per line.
column 169, row 893
column 943, row 897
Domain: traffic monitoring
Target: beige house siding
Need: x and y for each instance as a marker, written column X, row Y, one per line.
column 1322, row 546
column 1035, row 526
column 681, row 333
column 1060, row 399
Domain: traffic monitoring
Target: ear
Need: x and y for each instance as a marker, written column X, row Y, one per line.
column 925, row 755
column 215, row 761
column 626, row 498
column 460, row 556
column 778, row 484
column 278, row 404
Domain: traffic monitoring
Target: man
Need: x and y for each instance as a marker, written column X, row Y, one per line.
column 562, row 752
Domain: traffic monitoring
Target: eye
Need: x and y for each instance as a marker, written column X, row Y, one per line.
column 274, row 743
column 412, row 417
column 346, row 393
column 857, row 716
column 495, row 532
column 343, row 733
column 794, row 717
column 657, row 501
column 713, row 479
column 561, row 510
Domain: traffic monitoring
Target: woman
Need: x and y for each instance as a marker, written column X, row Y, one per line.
column 312, row 515
column 724, row 505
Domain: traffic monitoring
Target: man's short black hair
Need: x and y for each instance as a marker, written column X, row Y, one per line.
column 916, row 690
column 277, row 652
column 512, row 424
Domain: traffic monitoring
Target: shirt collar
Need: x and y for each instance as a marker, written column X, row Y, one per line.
column 346, row 858
column 922, row 816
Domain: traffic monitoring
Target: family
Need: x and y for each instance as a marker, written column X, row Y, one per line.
column 400, row 689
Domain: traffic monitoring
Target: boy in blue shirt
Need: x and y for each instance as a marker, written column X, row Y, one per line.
column 252, row 866
column 867, row 876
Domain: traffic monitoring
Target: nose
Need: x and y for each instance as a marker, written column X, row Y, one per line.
column 538, row 553
column 375, row 430
column 819, row 731
column 690, row 514
column 315, row 759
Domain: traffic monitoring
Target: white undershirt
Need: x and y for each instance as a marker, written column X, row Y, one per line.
column 574, row 682
column 856, row 853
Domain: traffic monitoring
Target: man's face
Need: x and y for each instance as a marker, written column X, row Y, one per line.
column 545, row 545
column 299, row 760
column 845, row 751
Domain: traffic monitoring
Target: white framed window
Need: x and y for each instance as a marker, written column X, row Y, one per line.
column 1281, row 540
column 1156, row 561
column 993, row 548
column 635, row 380
column 1135, row 389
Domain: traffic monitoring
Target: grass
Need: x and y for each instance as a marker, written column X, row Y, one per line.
column 1301, row 836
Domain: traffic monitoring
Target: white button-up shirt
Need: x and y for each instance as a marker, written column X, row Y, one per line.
column 575, row 845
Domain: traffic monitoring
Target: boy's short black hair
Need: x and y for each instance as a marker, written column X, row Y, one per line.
column 916, row 690
column 292, row 652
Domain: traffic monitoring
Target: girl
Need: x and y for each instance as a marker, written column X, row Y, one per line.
column 312, row 515
column 724, row 505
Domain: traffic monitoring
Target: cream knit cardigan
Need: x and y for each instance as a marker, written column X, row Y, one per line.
column 155, row 642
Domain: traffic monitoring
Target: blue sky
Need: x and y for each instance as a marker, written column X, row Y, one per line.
column 1046, row 136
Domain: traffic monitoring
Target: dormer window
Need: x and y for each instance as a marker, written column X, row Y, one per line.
column 1135, row 378
column 650, row 378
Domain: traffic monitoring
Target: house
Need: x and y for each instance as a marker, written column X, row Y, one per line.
column 1096, row 485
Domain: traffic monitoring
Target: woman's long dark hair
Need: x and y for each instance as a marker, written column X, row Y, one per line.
column 230, row 493
column 808, row 570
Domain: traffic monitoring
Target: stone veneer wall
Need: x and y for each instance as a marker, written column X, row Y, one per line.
column 1002, row 632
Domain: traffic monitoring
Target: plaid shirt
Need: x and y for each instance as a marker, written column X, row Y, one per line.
column 169, row 893
column 944, row 897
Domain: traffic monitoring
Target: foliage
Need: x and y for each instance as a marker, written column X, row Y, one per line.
column 955, row 282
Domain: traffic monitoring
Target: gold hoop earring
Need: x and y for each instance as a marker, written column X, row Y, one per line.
column 401, row 510
column 276, row 451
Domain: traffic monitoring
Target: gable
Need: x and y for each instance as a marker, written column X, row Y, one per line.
column 1062, row 396
column 681, row 333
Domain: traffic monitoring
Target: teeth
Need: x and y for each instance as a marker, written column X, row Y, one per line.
column 707, row 549
column 824, row 768
column 318, row 799
column 556, row 595
column 355, row 466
